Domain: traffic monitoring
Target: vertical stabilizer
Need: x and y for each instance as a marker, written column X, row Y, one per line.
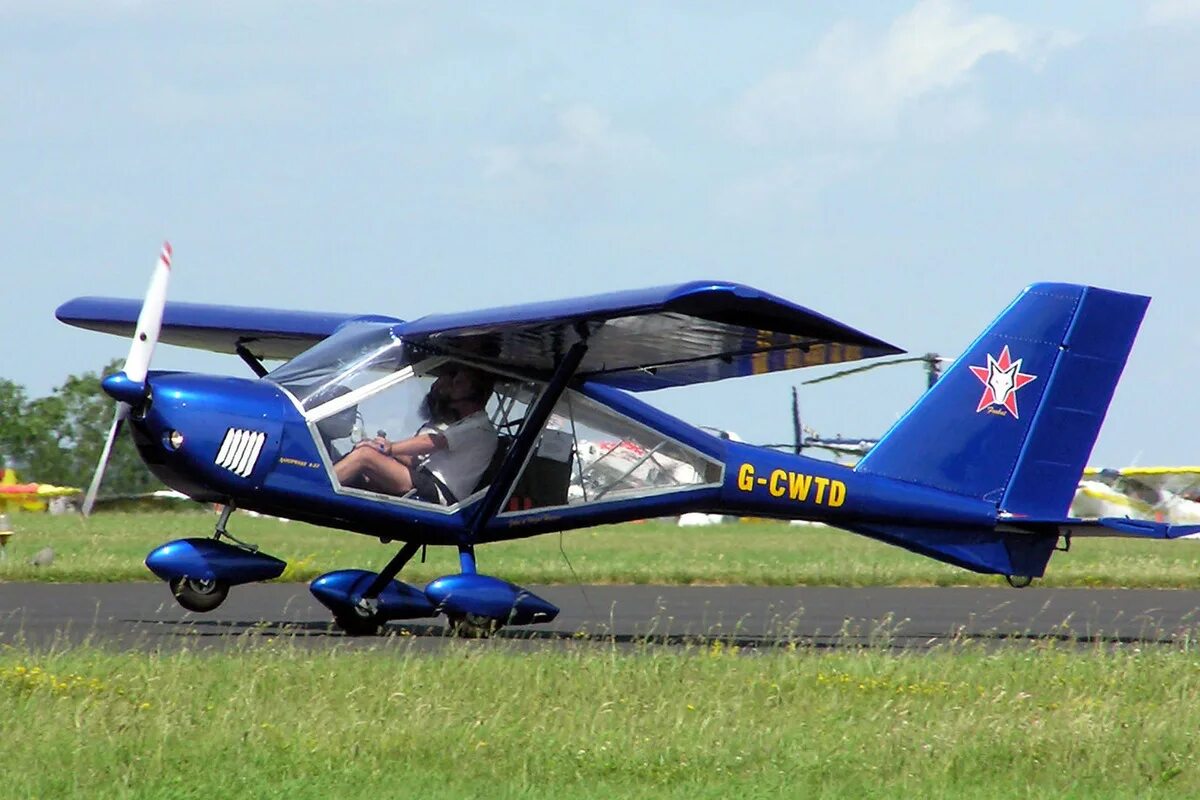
column 1013, row 420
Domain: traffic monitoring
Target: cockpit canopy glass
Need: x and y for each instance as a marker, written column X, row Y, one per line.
column 399, row 422
column 357, row 354
column 363, row 390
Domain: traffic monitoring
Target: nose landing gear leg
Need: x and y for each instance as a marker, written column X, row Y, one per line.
column 220, row 531
column 364, row 619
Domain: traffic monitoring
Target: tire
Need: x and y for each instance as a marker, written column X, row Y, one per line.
column 197, row 595
column 354, row 625
column 470, row 626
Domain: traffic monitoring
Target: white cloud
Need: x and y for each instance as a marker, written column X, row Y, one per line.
column 858, row 85
column 584, row 141
column 1170, row 12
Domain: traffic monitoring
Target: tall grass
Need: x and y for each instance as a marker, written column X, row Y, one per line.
column 111, row 547
column 483, row 720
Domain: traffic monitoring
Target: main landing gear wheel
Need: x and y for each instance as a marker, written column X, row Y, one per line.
column 357, row 624
column 472, row 626
column 199, row 595
column 1019, row 581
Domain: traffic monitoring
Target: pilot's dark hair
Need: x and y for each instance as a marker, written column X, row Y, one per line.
column 482, row 383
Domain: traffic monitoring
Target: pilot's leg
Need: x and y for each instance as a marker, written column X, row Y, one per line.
column 367, row 468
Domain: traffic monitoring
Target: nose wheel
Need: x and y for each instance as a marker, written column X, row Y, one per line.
column 199, row 595
column 361, row 620
column 471, row 626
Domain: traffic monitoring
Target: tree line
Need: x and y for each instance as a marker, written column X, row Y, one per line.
column 58, row 438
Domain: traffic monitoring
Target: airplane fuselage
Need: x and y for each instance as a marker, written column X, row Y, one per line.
column 246, row 442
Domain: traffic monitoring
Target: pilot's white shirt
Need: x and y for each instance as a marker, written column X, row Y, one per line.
column 470, row 444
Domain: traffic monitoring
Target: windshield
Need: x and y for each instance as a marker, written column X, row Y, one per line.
column 359, row 353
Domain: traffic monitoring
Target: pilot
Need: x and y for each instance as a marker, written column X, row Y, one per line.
column 447, row 457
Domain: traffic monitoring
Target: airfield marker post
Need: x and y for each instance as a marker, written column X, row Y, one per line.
column 6, row 533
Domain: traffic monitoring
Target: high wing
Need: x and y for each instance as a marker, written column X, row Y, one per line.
column 652, row 338
column 637, row 340
column 265, row 333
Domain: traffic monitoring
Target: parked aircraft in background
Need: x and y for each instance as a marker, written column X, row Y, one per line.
column 1162, row 494
column 15, row 495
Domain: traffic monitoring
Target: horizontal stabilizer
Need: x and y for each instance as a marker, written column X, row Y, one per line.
column 1105, row 526
column 1123, row 526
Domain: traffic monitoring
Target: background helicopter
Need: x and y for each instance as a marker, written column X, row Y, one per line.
column 849, row 447
column 988, row 492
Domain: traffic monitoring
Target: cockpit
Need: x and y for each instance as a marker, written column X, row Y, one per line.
column 366, row 387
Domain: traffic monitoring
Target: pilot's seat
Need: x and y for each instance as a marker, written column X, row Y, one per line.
column 546, row 477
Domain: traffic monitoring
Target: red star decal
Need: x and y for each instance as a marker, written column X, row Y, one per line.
column 1001, row 379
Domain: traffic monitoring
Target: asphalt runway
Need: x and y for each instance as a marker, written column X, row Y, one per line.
column 144, row 616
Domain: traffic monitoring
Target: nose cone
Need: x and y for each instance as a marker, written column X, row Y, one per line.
column 119, row 387
column 210, row 436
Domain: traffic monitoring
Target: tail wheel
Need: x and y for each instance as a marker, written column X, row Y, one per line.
column 472, row 626
column 199, row 595
column 1019, row 581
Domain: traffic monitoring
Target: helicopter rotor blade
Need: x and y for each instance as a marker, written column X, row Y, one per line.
column 797, row 429
column 865, row 368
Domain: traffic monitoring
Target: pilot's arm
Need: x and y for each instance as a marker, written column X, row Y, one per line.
column 406, row 449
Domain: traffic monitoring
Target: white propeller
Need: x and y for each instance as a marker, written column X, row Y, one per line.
column 137, row 363
column 149, row 323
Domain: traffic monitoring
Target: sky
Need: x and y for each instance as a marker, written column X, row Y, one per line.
column 905, row 168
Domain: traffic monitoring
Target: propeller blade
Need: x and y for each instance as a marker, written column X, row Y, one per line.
column 137, row 363
column 149, row 323
column 89, row 499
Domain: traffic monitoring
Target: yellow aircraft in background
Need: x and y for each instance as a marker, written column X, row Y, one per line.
column 16, row 496
column 1162, row 494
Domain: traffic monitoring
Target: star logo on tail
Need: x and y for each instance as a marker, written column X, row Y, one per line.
column 1001, row 379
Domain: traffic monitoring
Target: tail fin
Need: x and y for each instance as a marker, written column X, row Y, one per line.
column 1014, row 418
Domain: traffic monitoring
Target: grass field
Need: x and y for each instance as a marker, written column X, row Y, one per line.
column 111, row 547
column 481, row 720
column 584, row 719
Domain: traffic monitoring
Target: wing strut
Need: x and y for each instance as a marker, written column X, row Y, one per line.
column 525, row 440
column 252, row 361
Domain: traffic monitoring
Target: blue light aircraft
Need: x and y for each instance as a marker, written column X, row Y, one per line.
column 979, row 473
